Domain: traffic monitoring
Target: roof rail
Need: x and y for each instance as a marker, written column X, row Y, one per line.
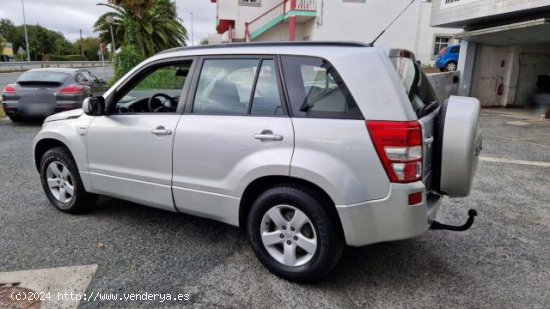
column 262, row 44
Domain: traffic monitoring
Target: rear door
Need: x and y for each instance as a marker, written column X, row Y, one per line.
column 235, row 130
column 424, row 102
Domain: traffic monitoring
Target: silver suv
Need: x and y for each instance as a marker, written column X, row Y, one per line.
column 307, row 146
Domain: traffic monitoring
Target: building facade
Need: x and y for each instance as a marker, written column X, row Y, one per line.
column 6, row 52
column 354, row 20
column 505, row 48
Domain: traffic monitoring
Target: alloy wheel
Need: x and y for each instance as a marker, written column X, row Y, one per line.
column 288, row 235
column 60, row 181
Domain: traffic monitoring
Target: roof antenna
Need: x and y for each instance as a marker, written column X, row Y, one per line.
column 393, row 21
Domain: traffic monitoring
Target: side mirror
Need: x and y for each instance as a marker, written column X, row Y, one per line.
column 94, row 106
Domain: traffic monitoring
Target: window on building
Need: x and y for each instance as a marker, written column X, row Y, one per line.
column 440, row 42
column 250, row 2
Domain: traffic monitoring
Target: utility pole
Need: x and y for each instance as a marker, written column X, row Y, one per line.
column 111, row 20
column 26, row 34
column 81, row 49
column 192, row 30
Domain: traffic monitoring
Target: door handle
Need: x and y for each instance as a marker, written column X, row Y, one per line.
column 267, row 135
column 161, row 131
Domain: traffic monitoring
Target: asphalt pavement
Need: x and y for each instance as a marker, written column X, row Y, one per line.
column 501, row 262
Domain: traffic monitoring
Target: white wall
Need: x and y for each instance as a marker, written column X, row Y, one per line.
column 363, row 21
column 353, row 21
column 230, row 9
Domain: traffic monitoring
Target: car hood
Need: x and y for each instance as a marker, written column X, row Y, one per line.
column 75, row 113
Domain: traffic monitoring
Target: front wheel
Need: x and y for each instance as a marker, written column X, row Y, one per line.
column 293, row 235
column 61, row 182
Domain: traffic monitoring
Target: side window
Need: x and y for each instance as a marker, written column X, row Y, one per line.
column 267, row 100
column 156, row 91
column 93, row 78
column 316, row 90
column 455, row 50
column 81, row 78
column 225, row 86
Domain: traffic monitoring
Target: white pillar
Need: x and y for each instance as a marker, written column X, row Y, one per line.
column 466, row 63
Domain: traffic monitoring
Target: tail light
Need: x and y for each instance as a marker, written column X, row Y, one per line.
column 73, row 89
column 9, row 89
column 443, row 51
column 399, row 146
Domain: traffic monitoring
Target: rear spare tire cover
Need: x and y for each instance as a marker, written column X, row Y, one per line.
column 461, row 141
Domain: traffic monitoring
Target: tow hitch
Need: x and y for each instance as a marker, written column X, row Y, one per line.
column 460, row 228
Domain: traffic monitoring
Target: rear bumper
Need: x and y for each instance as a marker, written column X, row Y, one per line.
column 390, row 218
column 14, row 109
column 440, row 64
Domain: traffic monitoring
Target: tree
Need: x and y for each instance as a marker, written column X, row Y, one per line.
column 42, row 40
column 155, row 25
column 90, row 46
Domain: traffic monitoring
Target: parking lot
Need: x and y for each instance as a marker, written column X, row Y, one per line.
column 502, row 262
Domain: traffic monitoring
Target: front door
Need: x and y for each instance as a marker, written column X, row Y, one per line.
column 130, row 150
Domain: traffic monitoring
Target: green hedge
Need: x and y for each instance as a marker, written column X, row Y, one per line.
column 67, row 58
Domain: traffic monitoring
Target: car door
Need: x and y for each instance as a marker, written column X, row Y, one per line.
column 130, row 150
column 235, row 129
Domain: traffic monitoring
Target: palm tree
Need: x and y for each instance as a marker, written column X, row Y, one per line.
column 156, row 24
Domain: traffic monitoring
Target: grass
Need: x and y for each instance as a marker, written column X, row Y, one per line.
column 2, row 114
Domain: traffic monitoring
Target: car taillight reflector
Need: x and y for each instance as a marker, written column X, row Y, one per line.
column 9, row 89
column 73, row 89
column 415, row 198
column 399, row 146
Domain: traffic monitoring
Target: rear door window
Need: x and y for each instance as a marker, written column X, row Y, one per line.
column 316, row 90
column 267, row 99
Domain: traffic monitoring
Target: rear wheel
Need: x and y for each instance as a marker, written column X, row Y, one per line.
column 293, row 234
column 61, row 182
column 15, row 118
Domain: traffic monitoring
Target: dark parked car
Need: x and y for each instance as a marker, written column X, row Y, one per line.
column 39, row 93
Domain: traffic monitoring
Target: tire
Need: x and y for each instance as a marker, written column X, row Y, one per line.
column 14, row 118
column 65, row 179
column 457, row 147
column 308, row 265
column 451, row 66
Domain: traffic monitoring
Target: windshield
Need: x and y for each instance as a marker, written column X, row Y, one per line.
column 43, row 77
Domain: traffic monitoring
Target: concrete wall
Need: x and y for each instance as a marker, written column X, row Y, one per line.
column 515, row 67
column 363, row 21
column 464, row 12
column 534, row 60
column 444, row 84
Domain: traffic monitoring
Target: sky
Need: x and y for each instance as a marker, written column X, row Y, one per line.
column 69, row 16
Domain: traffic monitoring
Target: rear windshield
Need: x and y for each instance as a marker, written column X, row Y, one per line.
column 42, row 77
column 417, row 86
